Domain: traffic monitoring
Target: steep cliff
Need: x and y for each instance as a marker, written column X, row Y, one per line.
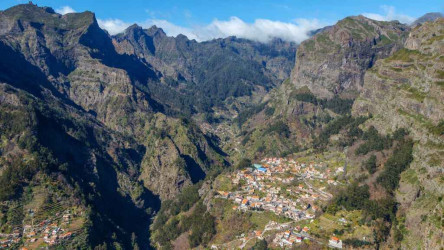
column 205, row 74
column 405, row 90
column 333, row 62
column 84, row 113
column 327, row 77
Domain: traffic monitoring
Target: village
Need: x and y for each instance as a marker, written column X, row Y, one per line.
column 48, row 232
column 286, row 188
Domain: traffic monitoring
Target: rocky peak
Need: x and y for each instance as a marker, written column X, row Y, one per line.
column 406, row 90
column 45, row 17
column 155, row 31
column 133, row 30
column 333, row 61
column 432, row 16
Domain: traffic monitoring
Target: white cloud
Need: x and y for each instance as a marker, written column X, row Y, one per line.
column 170, row 28
column 262, row 30
column 113, row 26
column 389, row 15
column 65, row 10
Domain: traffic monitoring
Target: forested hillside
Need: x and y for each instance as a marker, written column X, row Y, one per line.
column 142, row 140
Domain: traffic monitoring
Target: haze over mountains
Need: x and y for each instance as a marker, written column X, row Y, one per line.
column 112, row 130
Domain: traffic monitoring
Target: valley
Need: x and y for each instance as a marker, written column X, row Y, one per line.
column 141, row 140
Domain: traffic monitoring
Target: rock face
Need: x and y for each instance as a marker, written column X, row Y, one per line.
column 406, row 90
column 429, row 17
column 331, row 64
column 109, row 109
column 334, row 61
column 75, row 60
column 208, row 72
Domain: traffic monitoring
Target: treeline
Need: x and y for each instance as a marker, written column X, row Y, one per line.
column 382, row 212
column 18, row 171
column 243, row 116
column 200, row 223
column 373, row 141
column 396, row 164
column 335, row 104
column 357, row 197
column 279, row 128
column 347, row 124
column 356, row 242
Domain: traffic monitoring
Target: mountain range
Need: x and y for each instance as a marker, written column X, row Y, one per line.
column 116, row 130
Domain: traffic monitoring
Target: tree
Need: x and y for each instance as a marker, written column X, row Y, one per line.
column 370, row 164
column 260, row 245
column 244, row 163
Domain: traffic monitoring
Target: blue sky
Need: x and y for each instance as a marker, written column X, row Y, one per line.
column 255, row 19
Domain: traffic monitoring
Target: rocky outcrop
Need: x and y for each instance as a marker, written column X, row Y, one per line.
column 177, row 155
column 429, row 17
column 213, row 70
column 73, row 58
column 406, row 90
column 334, row 61
column 178, row 57
column 95, row 112
column 331, row 64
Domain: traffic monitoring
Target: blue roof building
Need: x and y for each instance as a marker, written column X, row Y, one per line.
column 262, row 169
column 257, row 166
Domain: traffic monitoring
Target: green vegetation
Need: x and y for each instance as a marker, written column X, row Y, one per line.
column 279, row 128
column 370, row 164
column 182, row 203
column 309, row 44
column 414, row 93
column 356, row 243
column 243, row 116
column 244, row 163
column 404, row 55
column 170, row 223
column 439, row 130
column 18, row 171
column 201, row 224
column 346, row 123
column 395, row 165
column 336, row 104
column 260, row 245
column 382, row 211
column 356, row 197
column 373, row 142
column 269, row 111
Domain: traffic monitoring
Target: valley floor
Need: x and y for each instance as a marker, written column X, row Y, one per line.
column 286, row 195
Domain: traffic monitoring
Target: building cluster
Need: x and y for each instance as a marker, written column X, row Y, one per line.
column 291, row 236
column 50, row 231
column 268, row 187
column 9, row 239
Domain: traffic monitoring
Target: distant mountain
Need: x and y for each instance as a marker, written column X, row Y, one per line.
column 103, row 124
column 427, row 18
column 207, row 73
column 327, row 77
column 334, row 61
column 100, row 134
column 369, row 91
column 406, row 90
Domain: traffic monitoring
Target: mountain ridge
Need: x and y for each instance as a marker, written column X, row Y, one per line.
column 150, row 121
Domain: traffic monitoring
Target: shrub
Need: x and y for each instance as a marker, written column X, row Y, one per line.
column 370, row 164
column 244, row 163
column 279, row 128
column 373, row 142
column 395, row 165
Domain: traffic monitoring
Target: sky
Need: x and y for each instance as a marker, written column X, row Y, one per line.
column 259, row 20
